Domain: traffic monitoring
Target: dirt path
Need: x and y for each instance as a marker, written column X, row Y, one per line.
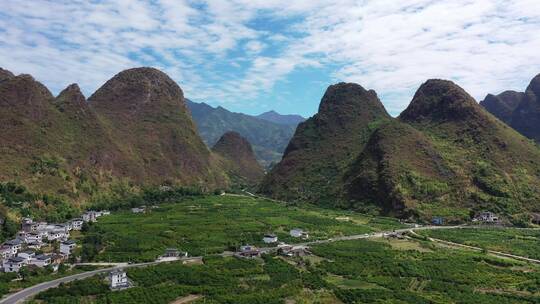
column 186, row 299
column 493, row 252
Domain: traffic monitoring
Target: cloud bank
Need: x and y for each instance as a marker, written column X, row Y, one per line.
column 235, row 52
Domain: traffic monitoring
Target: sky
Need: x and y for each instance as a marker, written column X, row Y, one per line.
column 252, row 56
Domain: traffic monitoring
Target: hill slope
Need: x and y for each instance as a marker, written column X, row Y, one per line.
column 135, row 127
column 239, row 159
column 444, row 156
column 520, row 110
column 145, row 111
column 325, row 145
column 267, row 138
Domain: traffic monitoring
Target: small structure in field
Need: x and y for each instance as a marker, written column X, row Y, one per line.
column 294, row 251
column 118, row 279
column 174, row 253
column 437, row 220
column 270, row 238
column 486, row 217
column 137, row 210
column 248, row 251
column 299, row 233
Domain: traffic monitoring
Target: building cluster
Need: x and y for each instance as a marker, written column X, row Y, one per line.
column 249, row 251
column 21, row 251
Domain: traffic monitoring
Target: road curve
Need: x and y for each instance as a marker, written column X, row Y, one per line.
column 29, row 292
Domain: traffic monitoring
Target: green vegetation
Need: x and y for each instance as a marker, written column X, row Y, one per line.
column 20, row 201
column 349, row 271
column 523, row 242
column 205, row 225
column 30, row 276
column 372, row 272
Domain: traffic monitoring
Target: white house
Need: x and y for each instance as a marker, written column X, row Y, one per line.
column 57, row 234
column 89, row 216
column 270, row 238
column 41, row 225
column 13, row 264
column 14, row 245
column 118, row 279
column 26, row 255
column 41, row 260
column 67, row 247
column 489, row 217
column 137, row 210
column 33, row 237
column 34, row 245
column 77, row 223
column 68, row 225
column 5, row 252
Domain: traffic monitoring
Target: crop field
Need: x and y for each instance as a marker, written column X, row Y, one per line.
column 361, row 271
column 523, row 242
column 213, row 224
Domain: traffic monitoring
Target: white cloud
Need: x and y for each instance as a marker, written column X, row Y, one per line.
column 390, row 46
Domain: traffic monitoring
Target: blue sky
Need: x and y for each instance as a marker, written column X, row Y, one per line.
column 253, row 55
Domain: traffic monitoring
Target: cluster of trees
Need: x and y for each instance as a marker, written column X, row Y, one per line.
column 122, row 195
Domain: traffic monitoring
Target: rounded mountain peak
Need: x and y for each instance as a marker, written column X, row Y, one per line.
column 238, row 151
column 132, row 88
column 350, row 101
column 534, row 86
column 440, row 100
column 232, row 142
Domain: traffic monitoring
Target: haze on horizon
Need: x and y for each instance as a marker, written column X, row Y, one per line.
column 254, row 56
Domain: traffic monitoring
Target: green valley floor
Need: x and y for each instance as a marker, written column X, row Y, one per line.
column 360, row 271
column 378, row 269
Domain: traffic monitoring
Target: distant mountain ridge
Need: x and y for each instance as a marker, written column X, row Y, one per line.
column 267, row 138
column 289, row 119
column 520, row 110
column 443, row 156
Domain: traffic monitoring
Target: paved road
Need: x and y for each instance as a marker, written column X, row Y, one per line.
column 29, row 292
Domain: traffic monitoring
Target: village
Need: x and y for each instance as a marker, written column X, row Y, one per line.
column 27, row 249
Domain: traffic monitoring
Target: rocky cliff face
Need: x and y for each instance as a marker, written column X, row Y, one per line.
column 240, row 160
